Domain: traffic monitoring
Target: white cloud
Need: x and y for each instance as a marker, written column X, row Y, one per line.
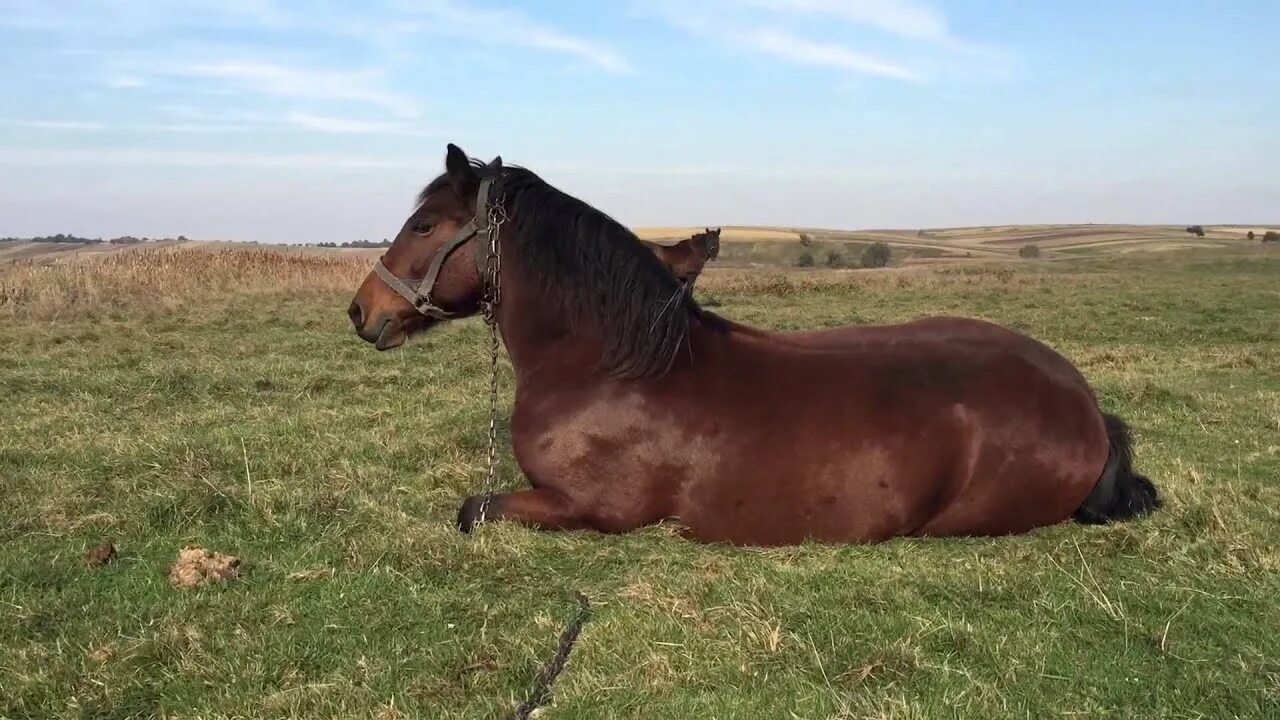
column 53, row 124
column 195, row 122
column 915, row 32
column 125, row 82
column 97, row 18
column 903, row 18
column 129, row 156
column 282, row 81
column 768, row 40
column 807, row 52
column 507, row 27
column 190, row 128
column 78, row 126
column 350, row 126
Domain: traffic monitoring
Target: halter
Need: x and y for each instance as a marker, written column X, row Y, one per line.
column 419, row 293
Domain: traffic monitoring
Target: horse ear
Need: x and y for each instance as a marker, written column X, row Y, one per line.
column 495, row 164
column 458, row 167
column 455, row 160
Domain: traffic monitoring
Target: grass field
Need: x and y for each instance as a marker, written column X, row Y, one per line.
column 166, row 398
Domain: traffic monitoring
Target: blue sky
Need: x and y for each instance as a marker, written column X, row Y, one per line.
column 274, row 121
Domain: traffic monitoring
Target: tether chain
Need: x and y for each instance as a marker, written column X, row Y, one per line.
column 489, row 308
column 542, row 688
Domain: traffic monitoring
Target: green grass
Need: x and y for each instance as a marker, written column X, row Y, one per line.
column 261, row 426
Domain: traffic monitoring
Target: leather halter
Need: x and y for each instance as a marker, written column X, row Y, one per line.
column 419, row 293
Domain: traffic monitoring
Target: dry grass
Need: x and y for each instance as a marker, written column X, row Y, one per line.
column 168, row 277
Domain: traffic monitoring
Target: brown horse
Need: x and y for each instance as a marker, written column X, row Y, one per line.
column 634, row 405
column 686, row 258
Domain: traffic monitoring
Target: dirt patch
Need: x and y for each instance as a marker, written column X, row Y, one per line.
column 196, row 566
column 101, row 554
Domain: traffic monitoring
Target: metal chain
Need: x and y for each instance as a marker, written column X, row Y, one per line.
column 489, row 308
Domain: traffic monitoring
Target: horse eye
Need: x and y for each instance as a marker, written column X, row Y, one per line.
column 422, row 227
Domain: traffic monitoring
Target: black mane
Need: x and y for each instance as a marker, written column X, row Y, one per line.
column 595, row 269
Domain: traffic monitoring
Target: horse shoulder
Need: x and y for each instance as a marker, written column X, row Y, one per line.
column 616, row 450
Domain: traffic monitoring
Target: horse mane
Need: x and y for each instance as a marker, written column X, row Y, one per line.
column 592, row 268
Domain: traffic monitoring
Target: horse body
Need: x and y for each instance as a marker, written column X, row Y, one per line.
column 883, row 437
column 633, row 405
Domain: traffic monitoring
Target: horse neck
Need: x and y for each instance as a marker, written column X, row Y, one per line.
column 539, row 336
column 662, row 251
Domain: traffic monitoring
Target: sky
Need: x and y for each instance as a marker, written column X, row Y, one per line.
column 313, row 122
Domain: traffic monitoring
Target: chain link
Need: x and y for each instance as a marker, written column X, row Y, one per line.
column 489, row 307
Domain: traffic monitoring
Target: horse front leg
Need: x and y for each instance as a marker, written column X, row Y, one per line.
column 543, row 508
column 548, row 508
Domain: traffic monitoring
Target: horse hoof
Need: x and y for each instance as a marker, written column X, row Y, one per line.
column 469, row 513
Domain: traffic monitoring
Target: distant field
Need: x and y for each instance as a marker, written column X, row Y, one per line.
column 748, row 247
column 765, row 247
column 218, row 397
column 727, row 233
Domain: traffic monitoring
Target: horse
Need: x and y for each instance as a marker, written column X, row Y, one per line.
column 686, row 258
column 636, row 406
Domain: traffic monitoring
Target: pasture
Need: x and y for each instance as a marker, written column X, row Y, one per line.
column 165, row 398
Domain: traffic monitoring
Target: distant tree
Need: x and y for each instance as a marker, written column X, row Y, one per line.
column 1029, row 251
column 59, row 238
column 1250, row 236
column 805, row 259
column 1196, row 230
column 805, row 240
column 1271, row 236
column 366, row 244
column 183, row 238
column 125, row 240
column 834, row 259
column 876, row 255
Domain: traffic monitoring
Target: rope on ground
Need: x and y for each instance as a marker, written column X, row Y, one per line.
column 542, row 689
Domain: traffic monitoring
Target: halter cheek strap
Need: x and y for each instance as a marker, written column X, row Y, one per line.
column 419, row 293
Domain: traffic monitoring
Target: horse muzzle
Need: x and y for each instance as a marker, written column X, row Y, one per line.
column 384, row 332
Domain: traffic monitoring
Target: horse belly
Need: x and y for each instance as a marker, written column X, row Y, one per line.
column 789, row 492
column 954, row 471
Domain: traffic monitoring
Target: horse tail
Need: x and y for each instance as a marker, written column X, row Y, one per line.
column 1121, row 494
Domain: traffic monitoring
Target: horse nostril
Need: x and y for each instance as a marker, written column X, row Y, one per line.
column 356, row 314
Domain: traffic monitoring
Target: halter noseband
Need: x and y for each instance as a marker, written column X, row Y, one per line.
column 419, row 294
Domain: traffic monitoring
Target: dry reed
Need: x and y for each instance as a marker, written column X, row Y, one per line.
column 162, row 278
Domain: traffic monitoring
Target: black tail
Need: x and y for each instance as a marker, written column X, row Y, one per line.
column 1121, row 494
